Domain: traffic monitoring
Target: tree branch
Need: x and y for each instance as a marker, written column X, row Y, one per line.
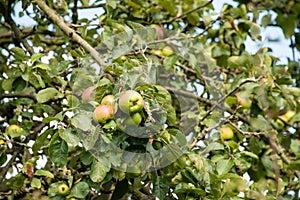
column 59, row 21
column 19, row 95
column 17, row 33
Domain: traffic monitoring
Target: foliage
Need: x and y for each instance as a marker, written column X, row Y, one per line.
column 190, row 91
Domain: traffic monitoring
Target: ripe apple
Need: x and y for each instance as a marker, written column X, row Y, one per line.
column 244, row 101
column 167, row 51
column 158, row 30
column 102, row 113
column 62, row 189
column 133, row 120
column 87, row 93
column 131, row 102
column 226, row 133
column 108, row 100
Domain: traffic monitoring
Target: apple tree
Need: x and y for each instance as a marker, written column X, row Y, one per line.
column 148, row 100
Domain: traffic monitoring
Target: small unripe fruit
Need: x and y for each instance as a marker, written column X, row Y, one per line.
column 13, row 129
column 108, row 100
column 288, row 115
column 102, row 113
column 62, row 189
column 226, row 133
column 167, row 51
column 134, row 119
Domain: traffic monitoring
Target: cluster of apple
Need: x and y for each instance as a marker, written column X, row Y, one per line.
column 130, row 103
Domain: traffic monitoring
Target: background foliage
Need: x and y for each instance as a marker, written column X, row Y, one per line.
column 209, row 66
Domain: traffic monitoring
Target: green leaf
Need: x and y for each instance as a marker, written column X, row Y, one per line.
column 82, row 121
column 99, row 169
column 40, row 141
column 69, row 136
column 36, row 183
column 295, row 146
column 46, row 94
column 58, row 150
column 160, row 186
column 120, row 50
column 45, row 173
column 80, row 190
column 254, row 30
column 42, row 66
column 287, row 22
column 214, row 146
column 250, row 154
column 224, row 166
column 19, row 53
column 36, row 56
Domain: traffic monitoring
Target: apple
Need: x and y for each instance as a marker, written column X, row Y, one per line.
column 158, row 30
column 156, row 52
column 131, row 102
column 13, row 130
column 157, row 145
column 102, row 113
column 167, row 51
column 226, row 133
column 133, row 120
column 244, row 101
column 108, row 100
column 87, row 93
column 62, row 189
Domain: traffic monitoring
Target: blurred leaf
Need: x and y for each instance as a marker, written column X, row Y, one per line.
column 80, row 190
column 160, row 186
column 36, row 183
column 46, row 94
column 69, row 136
column 58, row 150
column 45, row 173
column 99, row 169
column 224, row 165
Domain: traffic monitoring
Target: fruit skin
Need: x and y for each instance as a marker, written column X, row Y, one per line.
column 133, row 120
column 87, row 93
column 244, row 102
column 157, row 145
column 13, row 129
column 226, row 133
column 131, row 102
column 102, row 113
column 158, row 30
column 108, row 100
column 167, row 51
column 62, row 189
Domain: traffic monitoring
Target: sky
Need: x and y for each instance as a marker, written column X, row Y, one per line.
column 280, row 48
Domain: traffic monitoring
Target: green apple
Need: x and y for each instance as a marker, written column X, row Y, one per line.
column 156, row 52
column 167, row 51
column 226, row 133
column 62, row 189
column 157, row 145
column 87, row 93
column 131, row 102
column 133, row 120
column 108, row 100
column 13, row 130
column 102, row 113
